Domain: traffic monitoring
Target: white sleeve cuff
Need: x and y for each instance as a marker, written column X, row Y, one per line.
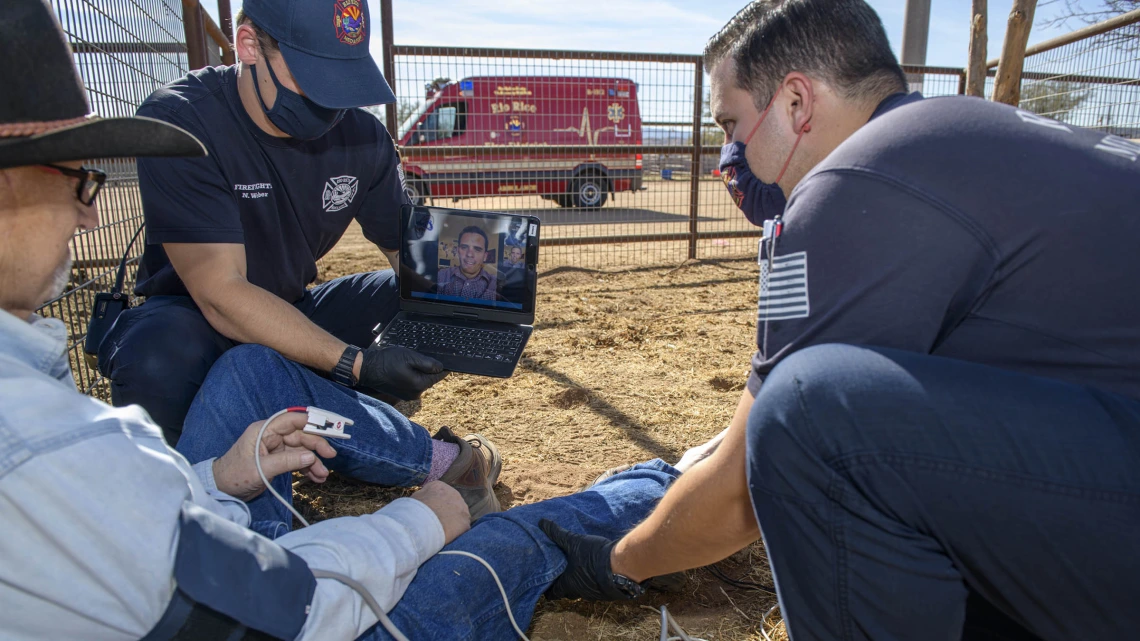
column 233, row 509
column 421, row 523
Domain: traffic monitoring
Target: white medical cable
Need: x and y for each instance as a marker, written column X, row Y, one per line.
column 669, row 624
column 368, row 598
column 353, row 583
column 499, row 583
column 764, row 620
column 261, row 473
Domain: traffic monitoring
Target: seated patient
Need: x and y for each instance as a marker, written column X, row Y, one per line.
column 110, row 534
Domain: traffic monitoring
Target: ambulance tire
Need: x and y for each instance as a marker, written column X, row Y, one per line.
column 589, row 192
column 415, row 191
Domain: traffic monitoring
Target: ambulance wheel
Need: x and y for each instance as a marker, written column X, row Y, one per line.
column 415, row 191
column 589, row 192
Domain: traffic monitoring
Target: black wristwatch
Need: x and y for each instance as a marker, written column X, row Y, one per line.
column 631, row 588
column 342, row 373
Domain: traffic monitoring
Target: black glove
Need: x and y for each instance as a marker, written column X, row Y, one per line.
column 588, row 574
column 399, row 370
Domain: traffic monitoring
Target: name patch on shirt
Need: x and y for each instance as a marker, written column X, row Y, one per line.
column 253, row 190
column 784, row 288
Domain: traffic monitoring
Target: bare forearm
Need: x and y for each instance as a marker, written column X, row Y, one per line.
column 706, row 515
column 393, row 259
column 248, row 314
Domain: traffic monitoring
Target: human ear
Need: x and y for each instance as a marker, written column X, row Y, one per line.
column 801, row 105
column 246, row 46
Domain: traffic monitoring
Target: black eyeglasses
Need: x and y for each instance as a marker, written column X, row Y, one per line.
column 90, row 181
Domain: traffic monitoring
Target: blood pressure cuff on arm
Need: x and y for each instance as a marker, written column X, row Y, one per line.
column 233, row 584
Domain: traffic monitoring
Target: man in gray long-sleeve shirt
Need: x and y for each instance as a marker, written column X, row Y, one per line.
column 99, row 513
column 109, row 534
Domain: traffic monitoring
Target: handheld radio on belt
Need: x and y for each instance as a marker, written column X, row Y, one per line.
column 108, row 306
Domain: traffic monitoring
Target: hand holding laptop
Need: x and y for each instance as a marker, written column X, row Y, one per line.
column 460, row 306
column 404, row 372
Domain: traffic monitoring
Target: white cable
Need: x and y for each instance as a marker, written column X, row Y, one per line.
column 261, row 473
column 506, row 601
column 764, row 620
column 669, row 623
column 353, row 583
column 368, row 598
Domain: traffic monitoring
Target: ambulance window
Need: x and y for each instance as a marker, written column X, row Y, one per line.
column 427, row 130
column 452, row 119
column 446, row 122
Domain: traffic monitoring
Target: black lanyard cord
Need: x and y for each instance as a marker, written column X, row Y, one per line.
column 118, row 288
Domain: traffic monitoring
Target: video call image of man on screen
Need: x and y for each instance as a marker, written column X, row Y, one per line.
column 469, row 278
column 468, row 259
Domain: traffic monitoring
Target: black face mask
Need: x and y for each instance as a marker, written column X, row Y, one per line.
column 295, row 114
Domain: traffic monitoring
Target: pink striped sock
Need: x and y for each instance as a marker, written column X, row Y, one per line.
column 442, row 456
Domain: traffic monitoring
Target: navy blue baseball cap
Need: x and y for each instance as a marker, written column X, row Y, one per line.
column 325, row 44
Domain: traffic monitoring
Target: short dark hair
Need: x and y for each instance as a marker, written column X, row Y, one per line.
column 267, row 42
column 841, row 41
column 721, row 44
column 474, row 230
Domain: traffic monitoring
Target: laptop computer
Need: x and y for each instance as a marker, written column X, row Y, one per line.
column 467, row 288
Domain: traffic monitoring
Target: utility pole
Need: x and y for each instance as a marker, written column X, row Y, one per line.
column 916, row 31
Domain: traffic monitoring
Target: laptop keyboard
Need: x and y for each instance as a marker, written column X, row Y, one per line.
column 434, row 338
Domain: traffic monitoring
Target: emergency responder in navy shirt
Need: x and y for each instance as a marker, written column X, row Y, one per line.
column 233, row 238
column 940, row 438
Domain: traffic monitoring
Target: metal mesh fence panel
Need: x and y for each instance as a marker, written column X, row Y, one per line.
column 616, row 153
column 124, row 49
column 1093, row 83
column 1088, row 78
column 599, row 146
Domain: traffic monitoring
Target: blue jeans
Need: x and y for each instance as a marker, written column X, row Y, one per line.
column 158, row 354
column 455, row 598
column 249, row 383
column 904, row 496
column 451, row 597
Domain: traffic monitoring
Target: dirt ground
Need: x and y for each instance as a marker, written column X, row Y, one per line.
column 624, row 365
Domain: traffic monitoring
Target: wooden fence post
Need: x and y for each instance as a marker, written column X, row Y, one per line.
column 195, row 31
column 695, row 160
column 226, row 22
column 1007, row 84
column 976, row 69
column 389, row 64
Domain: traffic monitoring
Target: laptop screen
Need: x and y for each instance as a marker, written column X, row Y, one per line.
column 475, row 259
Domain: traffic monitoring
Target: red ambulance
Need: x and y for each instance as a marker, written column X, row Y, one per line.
column 494, row 112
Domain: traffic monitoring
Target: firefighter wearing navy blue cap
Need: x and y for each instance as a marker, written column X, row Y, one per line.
column 233, row 238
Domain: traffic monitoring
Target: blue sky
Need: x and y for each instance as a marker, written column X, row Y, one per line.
column 667, row 26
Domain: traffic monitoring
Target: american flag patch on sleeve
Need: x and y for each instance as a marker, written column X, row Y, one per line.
column 784, row 288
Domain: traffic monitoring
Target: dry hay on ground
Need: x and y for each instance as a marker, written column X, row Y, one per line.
column 624, row 365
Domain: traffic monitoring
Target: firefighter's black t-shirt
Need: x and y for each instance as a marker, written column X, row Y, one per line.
column 966, row 229
column 288, row 201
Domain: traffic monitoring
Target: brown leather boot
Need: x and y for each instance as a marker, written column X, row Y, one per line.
column 474, row 471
